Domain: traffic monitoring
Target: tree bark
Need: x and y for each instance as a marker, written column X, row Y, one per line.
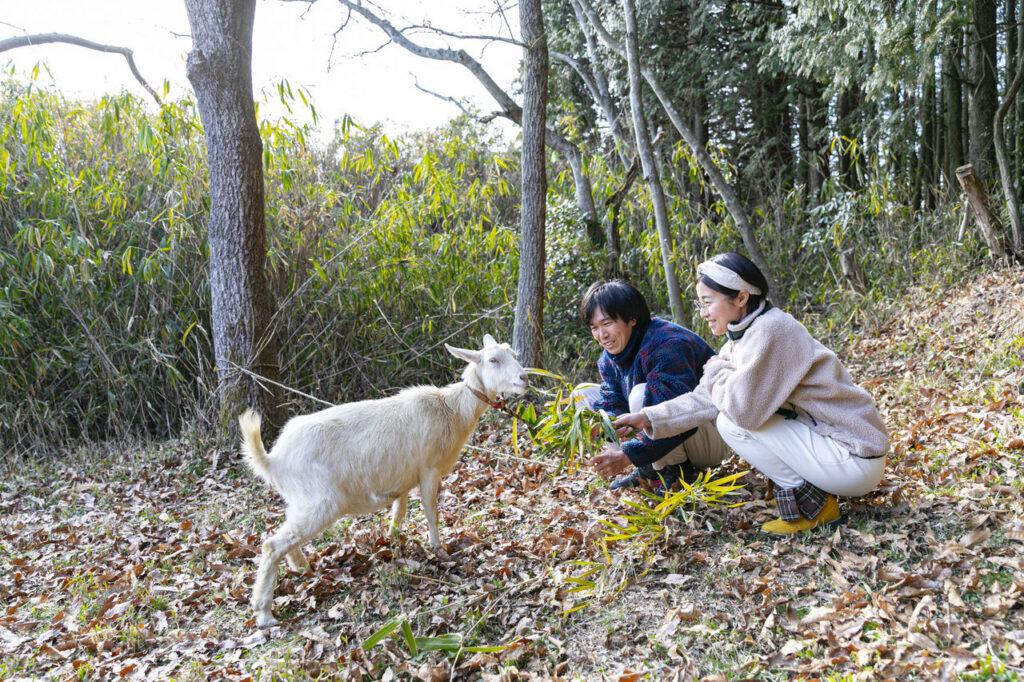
column 991, row 228
column 953, row 91
column 852, row 270
column 981, row 74
column 648, row 164
column 220, row 70
column 527, row 335
column 1005, row 173
column 1018, row 137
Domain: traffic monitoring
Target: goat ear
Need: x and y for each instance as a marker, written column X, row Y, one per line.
column 464, row 354
column 489, row 341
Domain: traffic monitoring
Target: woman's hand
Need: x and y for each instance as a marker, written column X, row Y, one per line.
column 610, row 462
column 628, row 424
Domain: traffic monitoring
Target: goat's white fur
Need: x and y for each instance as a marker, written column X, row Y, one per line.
column 359, row 457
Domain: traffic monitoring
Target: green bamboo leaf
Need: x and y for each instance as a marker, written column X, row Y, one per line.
column 449, row 642
column 485, row 649
column 184, row 336
column 608, row 429
column 410, row 641
column 389, row 627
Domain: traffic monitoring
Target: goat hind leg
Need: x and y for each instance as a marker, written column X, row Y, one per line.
column 398, row 512
column 297, row 560
column 297, row 529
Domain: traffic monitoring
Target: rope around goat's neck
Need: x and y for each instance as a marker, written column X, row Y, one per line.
column 496, row 404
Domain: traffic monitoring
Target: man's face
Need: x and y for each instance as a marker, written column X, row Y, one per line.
column 610, row 334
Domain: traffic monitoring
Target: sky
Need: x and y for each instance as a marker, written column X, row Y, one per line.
column 293, row 41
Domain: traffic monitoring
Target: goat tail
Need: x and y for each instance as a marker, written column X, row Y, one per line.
column 252, row 444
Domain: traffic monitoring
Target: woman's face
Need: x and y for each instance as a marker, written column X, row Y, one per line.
column 611, row 334
column 718, row 310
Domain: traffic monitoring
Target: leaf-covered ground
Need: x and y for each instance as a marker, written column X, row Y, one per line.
column 138, row 564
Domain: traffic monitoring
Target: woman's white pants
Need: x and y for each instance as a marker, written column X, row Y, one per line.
column 703, row 449
column 790, row 453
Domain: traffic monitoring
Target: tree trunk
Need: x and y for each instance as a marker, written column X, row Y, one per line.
column 648, row 164
column 527, row 336
column 848, row 108
column 1018, row 137
column 852, row 270
column 220, row 70
column 1010, row 117
column 991, row 228
column 926, row 155
column 603, row 96
column 981, row 64
column 816, row 120
column 952, row 76
column 1005, row 174
column 698, row 194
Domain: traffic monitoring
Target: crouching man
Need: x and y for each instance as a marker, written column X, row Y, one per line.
column 646, row 361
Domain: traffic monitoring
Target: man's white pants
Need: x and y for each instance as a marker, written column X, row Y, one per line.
column 790, row 453
column 703, row 449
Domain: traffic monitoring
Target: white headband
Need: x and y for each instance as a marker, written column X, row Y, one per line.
column 726, row 277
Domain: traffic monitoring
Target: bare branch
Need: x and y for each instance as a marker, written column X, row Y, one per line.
column 508, row 107
column 469, row 36
column 45, row 38
column 443, row 98
column 443, row 54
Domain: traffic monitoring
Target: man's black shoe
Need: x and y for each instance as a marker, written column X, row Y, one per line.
column 633, row 479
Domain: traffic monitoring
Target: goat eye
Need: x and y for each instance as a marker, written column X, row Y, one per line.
column 494, row 361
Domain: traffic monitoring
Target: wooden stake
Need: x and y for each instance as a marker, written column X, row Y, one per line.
column 991, row 227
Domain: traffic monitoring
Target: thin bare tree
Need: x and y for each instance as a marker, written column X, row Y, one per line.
column 527, row 334
column 220, row 70
column 648, row 163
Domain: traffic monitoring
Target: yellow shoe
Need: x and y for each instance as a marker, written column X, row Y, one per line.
column 828, row 516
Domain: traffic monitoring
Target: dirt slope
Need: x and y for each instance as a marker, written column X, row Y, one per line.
column 138, row 564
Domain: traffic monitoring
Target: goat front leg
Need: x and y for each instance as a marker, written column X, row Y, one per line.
column 430, row 481
column 398, row 512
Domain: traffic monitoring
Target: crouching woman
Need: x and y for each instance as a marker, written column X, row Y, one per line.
column 783, row 401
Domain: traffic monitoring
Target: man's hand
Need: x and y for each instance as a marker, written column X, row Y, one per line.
column 610, row 462
column 629, row 424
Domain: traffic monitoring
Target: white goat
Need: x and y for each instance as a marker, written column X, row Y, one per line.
column 357, row 458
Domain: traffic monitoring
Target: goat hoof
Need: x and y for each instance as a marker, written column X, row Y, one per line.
column 265, row 620
column 440, row 553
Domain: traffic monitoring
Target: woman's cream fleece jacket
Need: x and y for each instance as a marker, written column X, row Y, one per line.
column 777, row 364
